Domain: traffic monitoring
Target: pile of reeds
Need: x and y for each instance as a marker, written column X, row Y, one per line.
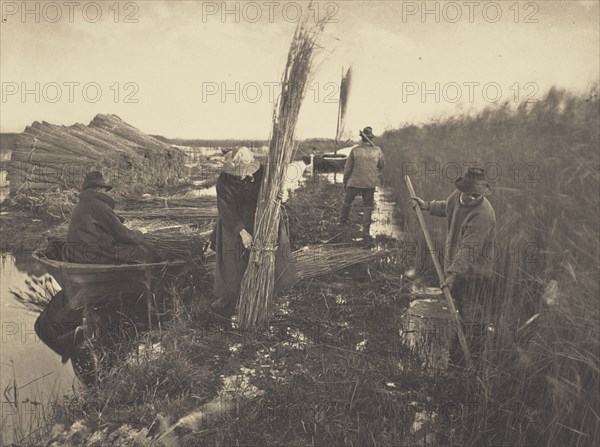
column 206, row 211
column 176, row 247
column 256, row 294
column 323, row 259
column 46, row 155
column 311, row 262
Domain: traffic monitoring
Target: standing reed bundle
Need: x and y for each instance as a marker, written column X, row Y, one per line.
column 256, row 294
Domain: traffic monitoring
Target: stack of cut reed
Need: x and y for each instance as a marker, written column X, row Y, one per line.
column 256, row 294
column 322, row 259
column 177, row 246
column 204, row 211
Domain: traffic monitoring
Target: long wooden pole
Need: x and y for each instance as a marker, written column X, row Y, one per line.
column 441, row 277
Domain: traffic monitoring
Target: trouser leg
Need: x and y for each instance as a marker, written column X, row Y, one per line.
column 349, row 197
column 471, row 297
column 368, row 195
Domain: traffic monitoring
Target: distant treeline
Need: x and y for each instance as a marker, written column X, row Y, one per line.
column 320, row 145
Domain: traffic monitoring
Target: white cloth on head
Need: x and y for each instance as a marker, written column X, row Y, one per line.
column 243, row 156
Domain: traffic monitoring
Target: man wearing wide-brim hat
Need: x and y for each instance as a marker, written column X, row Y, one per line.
column 468, row 253
column 363, row 172
column 97, row 235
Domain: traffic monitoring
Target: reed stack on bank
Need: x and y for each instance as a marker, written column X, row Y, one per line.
column 47, row 156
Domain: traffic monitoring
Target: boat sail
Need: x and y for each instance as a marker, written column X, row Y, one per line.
column 342, row 106
column 336, row 160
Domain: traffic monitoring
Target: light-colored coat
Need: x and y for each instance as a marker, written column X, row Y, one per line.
column 364, row 167
column 469, row 249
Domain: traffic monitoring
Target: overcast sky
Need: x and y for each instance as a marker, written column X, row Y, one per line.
column 163, row 66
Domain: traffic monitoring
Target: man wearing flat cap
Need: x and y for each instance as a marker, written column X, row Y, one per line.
column 468, row 255
column 362, row 174
column 96, row 235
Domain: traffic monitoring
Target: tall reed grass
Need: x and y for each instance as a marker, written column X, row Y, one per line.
column 539, row 381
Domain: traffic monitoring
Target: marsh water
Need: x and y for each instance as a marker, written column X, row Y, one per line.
column 31, row 375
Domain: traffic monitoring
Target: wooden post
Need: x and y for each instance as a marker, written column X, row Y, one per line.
column 441, row 277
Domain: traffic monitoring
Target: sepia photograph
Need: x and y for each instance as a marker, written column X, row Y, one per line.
column 299, row 223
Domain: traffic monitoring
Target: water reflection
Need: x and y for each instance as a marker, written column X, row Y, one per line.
column 385, row 220
column 30, row 371
column 4, row 185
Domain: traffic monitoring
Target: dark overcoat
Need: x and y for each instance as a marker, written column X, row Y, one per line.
column 96, row 235
column 236, row 202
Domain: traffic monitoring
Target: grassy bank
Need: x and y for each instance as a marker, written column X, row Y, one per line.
column 327, row 372
column 540, row 380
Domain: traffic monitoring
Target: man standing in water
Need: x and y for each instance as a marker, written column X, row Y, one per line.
column 362, row 174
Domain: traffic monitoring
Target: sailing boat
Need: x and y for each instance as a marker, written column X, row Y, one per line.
column 337, row 159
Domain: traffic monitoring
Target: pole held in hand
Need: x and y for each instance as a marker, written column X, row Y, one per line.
column 441, row 277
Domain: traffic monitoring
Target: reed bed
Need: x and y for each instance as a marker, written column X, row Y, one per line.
column 539, row 377
column 256, row 295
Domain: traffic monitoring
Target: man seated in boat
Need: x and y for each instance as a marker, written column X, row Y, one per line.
column 97, row 235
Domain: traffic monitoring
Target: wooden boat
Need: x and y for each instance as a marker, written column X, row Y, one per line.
column 332, row 161
column 88, row 284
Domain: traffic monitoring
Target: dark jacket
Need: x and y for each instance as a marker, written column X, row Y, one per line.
column 97, row 235
column 469, row 249
column 236, row 203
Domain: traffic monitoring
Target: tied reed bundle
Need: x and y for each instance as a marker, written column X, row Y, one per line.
column 320, row 260
column 177, row 246
column 202, row 211
column 256, row 293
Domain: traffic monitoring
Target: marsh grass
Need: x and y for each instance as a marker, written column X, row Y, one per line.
column 26, row 415
column 538, row 381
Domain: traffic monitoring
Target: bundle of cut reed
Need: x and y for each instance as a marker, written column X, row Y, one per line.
column 177, row 246
column 208, row 211
column 256, row 293
column 324, row 259
column 159, row 226
column 311, row 262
